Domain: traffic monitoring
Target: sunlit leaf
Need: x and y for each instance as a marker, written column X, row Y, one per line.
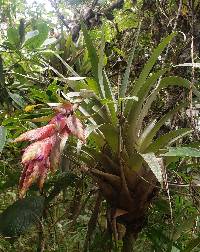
column 29, row 36
column 36, row 38
column 49, row 41
column 154, row 165
column 182, row 152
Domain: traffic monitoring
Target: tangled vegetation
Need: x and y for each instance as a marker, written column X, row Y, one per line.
column 107, row 95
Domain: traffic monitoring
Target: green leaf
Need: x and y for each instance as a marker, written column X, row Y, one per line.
column 109, row 95
column 29, row 36
column 17, row 99
column 182, row 152
column 185, row 226
column 102, row 83
column 192, row 244
column 178, row 81
column 145, row 139
column 36, row 38
column 101, row 65
column 150, row 63
column 49, row 41
column 168, row 139
column 13, row 36
column 18, row 217
column 136, row 113
column 92, row 54
column 111, row 136
column 154, row 165
column 164, row 83
column 3, row 133
column 125, row 80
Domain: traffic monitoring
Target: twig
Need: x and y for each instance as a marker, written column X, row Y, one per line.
column 78, row 211
column 173, row 30
column 92, row 222
column 41, row 238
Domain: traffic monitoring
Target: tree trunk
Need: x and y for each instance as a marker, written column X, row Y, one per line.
column 128, row 194
column 129, row 241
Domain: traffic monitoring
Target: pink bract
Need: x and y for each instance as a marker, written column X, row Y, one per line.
column 45, row 152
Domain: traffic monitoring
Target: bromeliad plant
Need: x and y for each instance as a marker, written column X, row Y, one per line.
column 48, row 143
column 125, row 162
column 121, row 152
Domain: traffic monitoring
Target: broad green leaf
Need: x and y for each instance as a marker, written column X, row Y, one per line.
column 36, row 38
column 49, row 41
column 3, row 133
column 93, row 85
column 182, row 152
column 18, row 217
column 13, row 36
column 111, row 136
column 167, row 139
column 154, row 165
column 39, row 94
column 29, row 36
column 17, row 99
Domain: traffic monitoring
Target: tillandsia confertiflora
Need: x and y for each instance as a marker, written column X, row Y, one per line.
column 44, row 152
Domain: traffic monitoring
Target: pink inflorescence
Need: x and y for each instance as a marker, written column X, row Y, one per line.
column 48, row 142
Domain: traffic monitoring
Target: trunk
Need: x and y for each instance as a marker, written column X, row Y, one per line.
column 129, row 241
column 129, row 194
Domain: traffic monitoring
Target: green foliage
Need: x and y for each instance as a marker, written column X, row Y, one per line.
column 182, row 152
column 134, row 114
column 18, row 217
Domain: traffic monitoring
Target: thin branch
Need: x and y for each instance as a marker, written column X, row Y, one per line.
column 92, row 222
